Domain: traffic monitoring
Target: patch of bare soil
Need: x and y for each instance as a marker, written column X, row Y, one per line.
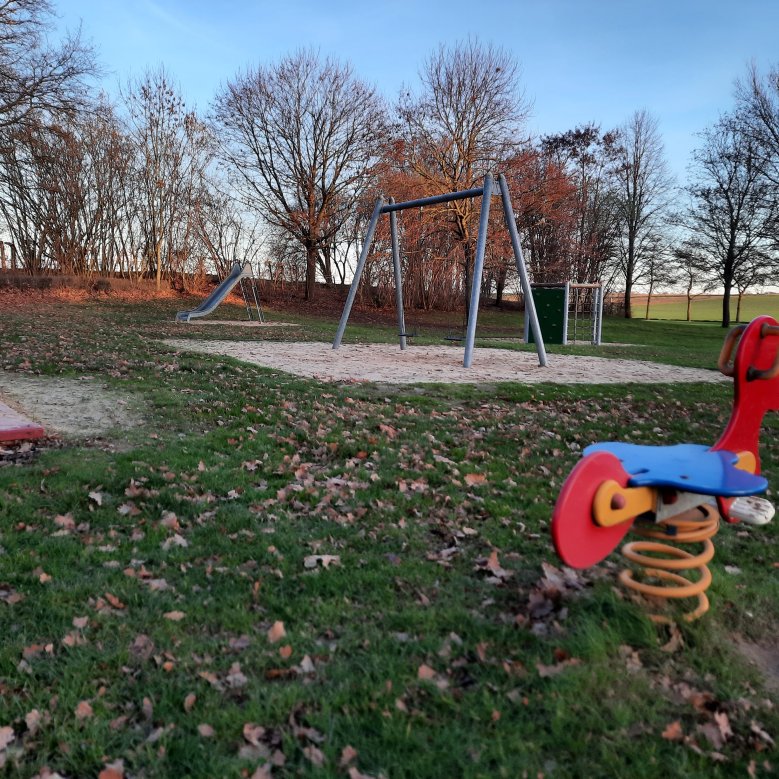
column 76, row 408
column 386, row 363
column 764, row 658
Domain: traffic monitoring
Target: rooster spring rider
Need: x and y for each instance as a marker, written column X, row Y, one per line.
column 677, row 493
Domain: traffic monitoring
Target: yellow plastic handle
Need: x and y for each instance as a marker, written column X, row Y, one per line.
column 614, row 504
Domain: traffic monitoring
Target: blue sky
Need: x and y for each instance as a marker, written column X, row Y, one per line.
column 582, row 60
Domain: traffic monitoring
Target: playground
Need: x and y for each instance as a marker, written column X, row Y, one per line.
column 239, row 551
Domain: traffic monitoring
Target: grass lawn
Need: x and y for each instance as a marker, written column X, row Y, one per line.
column 706, row 308
column 278, row 577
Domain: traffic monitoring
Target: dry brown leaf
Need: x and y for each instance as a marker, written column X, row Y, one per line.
column 675, row 641
column 170, row 520
column 425, row 672
column 262, row 772
column 723, row 723
column 348, row 754
column 253, row 733
column 472, row 479
column 142, row 647
column 113, row 770
column 189, row 702
column 174, row 616
column 315, row 755
column 33, row 721
column 80, row 622
column 276, row 632
column 673, row 731
column 114, row 601
column 205, row 730
column 83, row 710
column 65, row 521
column 7, row 735
column 285, row 652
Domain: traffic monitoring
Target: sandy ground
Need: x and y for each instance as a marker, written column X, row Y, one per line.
column 84, row 408
column 385, row 363
column 81, row 408
column 237, row 323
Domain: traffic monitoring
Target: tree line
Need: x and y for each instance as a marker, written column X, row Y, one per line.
column 284, row 168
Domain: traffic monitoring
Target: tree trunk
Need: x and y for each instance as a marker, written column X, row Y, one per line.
column 738, row 305
column 500, row 284
column 311, row 257
column 628, row 293
column 648, row 301
column 726, row 307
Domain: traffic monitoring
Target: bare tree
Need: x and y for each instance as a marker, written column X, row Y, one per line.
column 644, row 187
column 35, row 77
column 727, row 215
column 757, row 99
column 693, row 271
column 469, row 116
column 587, row 156
column 301, row 137
column 172, row 150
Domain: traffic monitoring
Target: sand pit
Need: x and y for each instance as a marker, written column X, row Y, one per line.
column 238, row 323
column 385, row 363
column 74, row 407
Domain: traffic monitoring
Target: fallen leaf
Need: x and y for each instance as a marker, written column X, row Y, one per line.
column 425, row 672
column 315, row 755
column 97, row 497
column 83, row 710
column 348, row 754
column 253, row 733
column 80, row 622
column 276, row 632
column 472, row 479
column 175, row 540
column 675, row 641
column 285, row 652
column 113, row 770
column 142, row 647
column 114, row 601
column 174, row 616
column 205, row 730
column 723, row 723
column 673, row 731
column 33, row 721
column 262, row 772
column 189, row 702
column 235, row 677
column 65, row 521
column 170, row 520
column 7, row 735
column 311, row 561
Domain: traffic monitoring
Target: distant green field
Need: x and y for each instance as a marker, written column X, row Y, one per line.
column 706, row 308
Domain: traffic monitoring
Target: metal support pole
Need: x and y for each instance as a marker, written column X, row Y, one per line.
column 599, row 314
column 245, row 299
column 530, row 306
column 257, row 301
column 358, row 272
column 478, row 266
column 398, row 278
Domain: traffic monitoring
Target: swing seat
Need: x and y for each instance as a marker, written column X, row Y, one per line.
column 686, row 467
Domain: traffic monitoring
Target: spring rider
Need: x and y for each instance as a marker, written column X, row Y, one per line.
column 675, row 493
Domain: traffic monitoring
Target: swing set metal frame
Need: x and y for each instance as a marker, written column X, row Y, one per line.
column 485, row 192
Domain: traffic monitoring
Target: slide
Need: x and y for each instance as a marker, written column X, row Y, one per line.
column 219, row 294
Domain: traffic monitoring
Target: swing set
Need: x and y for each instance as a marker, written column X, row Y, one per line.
column 485, row 192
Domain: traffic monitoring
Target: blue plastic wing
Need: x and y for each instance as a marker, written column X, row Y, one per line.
column 687, row 467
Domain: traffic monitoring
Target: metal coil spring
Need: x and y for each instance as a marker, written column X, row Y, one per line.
column 698, row 525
